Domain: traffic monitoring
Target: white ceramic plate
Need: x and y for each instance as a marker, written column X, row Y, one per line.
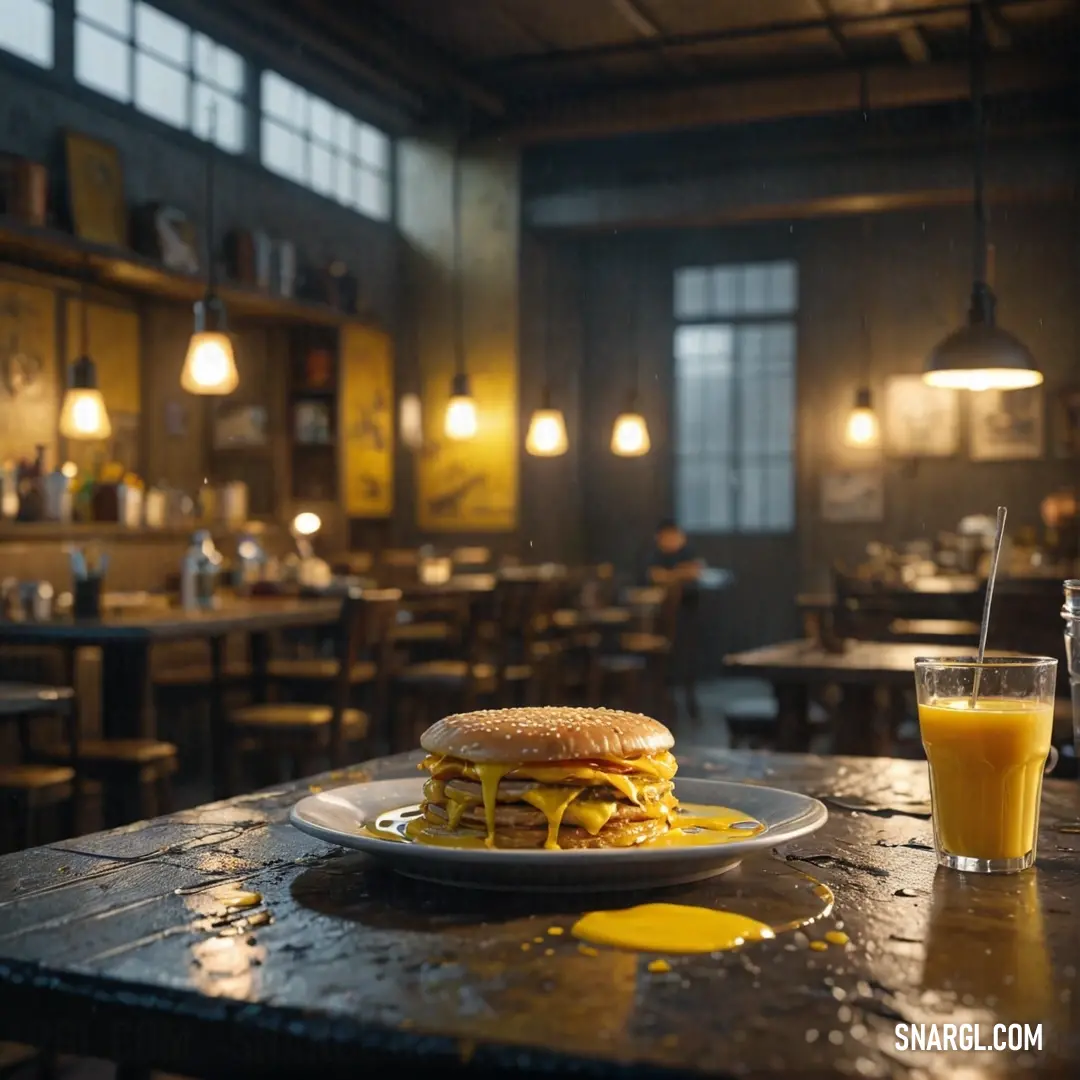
column 338, row 816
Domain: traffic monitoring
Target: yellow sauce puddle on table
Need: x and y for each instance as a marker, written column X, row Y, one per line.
column 693, row 825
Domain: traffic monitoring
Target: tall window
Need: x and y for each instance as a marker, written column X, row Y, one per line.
column 26, row 30
column 309, row 141
column 735, row 397
column 134, row 53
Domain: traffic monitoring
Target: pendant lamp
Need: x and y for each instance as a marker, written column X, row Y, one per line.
column 210, row 366
column 460, row 424
column 630, row 433
column 83, row 414
column 980, row 355
column 547, row 428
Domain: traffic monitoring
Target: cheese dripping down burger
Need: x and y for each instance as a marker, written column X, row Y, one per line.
column 554, row 777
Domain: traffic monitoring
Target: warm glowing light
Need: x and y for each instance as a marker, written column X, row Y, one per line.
column 209, row 367
column 862, row 429
column 547, row 434
column 306, row 523
column 630, row 436
column 979, row 379
column 83, row 415
column 411, row 421
column 69, row 470
column 460, row 418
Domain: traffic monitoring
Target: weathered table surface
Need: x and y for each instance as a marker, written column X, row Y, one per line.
column 120, row 945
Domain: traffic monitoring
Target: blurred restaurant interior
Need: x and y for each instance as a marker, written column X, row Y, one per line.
column 455, row 304
column 362, row 364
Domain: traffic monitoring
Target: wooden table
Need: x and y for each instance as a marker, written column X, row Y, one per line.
column 121, row 946
column 125, row 638
column 794, row 667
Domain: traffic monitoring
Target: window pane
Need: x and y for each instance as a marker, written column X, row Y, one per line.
column 283, row 151
column 218, row 65
column 101, row 62
column 374, row 148
column 751, row 498
column 374, row 196
column 114, row 14
column 691, row 293
column 344, row 181
column 161, row 91
column 228, row 118
column 162, row 35
column 26, row 29
column 756, row 289
column 783, row 287
column 283, row 100
column 727, row 290
column 345, row 133
column 322, row 169
column 322, row 120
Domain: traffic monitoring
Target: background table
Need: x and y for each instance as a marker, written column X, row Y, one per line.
column 125, row 638
column 120, row 946
column 794, row 667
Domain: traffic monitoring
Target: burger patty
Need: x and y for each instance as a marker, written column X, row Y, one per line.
column 622, row 834
column 511, row 791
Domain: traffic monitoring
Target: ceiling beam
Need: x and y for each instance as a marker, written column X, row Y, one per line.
column 1031, row 169
column 775, row 98
column 519, row 62
column 412, row 58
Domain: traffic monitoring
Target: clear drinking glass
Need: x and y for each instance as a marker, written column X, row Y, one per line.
column 987, row 756
column 1071, row 614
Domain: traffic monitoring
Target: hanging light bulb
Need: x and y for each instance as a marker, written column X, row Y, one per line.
column 461, row 420
column 980, row 356
column 547, row 430
column 210, row 365
column 630, row 435
column 83, row 414
column 862, row 429
column 411, row 421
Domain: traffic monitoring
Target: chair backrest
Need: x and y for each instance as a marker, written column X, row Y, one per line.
column 398, row 566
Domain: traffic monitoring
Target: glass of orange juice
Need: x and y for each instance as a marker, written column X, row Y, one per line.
column 986, row 731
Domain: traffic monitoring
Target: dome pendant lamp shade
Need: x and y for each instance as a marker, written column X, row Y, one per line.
column 863, row 431
column 210, row 365
column 460, row 422
column 83, row 414
column 981, row 356
column 547, row 430
column 630, row 435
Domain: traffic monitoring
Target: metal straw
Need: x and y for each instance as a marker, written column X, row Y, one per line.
column 999, row 535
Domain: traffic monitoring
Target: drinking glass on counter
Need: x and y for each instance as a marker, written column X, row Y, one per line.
column 986, row 731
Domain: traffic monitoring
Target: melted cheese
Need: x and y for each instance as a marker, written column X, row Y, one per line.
column 591, row 814
column 553, row 804
column 489, row 777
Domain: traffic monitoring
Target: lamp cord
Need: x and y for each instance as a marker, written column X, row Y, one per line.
column 978, row 116
column 211, row 270
column 458, row 295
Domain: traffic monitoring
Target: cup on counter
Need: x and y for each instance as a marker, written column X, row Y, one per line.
column 86, row 597
column 986, row 732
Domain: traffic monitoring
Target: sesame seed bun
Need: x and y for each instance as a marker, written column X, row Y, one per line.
column 555, row 733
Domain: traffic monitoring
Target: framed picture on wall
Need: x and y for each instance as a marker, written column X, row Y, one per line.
column 1066, row 423
column 95, row 185
column 1006, row 425
column 920, row 420
column 853, row 495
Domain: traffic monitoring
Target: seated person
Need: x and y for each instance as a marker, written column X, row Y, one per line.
column 673, row 559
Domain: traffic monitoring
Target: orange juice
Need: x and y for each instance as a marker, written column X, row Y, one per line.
column 986, row 772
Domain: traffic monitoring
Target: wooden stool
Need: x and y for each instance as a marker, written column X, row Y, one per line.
column 31, row 789
column 135, row 774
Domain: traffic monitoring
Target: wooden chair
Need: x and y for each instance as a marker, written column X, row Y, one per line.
column 524, row 651
column 305, row 732
column 453, row 682
column 30, row 791
column 655, row 638
column 398, row 567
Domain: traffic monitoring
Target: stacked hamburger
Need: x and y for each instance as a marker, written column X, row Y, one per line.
column 555, row 777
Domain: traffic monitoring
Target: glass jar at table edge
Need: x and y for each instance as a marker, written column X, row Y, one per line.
column 986, row 755
column 1071, row 614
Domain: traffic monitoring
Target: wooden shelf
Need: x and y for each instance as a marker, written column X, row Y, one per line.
column 54, row 251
